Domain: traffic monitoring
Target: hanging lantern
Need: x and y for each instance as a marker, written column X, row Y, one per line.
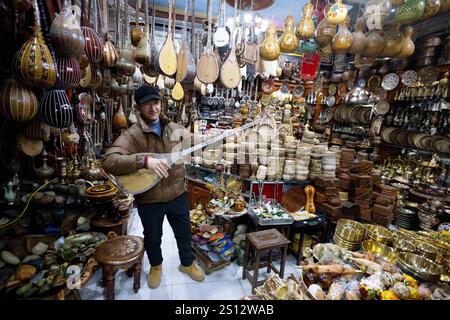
column 17, row 102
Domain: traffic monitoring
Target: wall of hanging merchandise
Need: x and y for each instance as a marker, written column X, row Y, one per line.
column 352, row 102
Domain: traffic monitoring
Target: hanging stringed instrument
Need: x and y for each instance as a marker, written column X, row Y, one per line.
column 208, row 67
column 167, row 58
column 142, row 54
column 125, row 65
column 186, row 64
column 93, row 43
column 144, row 179
column 221, row 36
column 230, row 73
column 150, row 68
column 110, row 54
column 136, row 33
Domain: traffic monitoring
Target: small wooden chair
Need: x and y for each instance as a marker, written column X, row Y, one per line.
column 265, row 240
column 121, row 252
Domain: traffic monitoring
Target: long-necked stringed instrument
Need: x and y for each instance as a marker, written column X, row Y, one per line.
column 144, row 179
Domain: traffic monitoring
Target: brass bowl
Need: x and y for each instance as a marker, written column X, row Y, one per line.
column 442, row 246
column 404, row 234
column 345, row 244
column 424, row 269
column 379, row 234
column 380, row 250
column 101, row 192
column 426, row 248
column 445, row 261
column 350, row 230
column 404, row 245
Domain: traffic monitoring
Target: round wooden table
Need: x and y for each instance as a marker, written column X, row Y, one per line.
column 121, row 252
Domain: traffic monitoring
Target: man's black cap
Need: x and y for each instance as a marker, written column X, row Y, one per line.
column 146, row 93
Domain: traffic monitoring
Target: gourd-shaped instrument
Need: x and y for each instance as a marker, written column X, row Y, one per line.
column 288, row 41
column 110, row 54
column 325, row 31
column 55, row 109
column 408, row 46
column 33, row 63
column 150, row 68
column 305, row 27
column 37, row 130
column 91, row 77
column 375, row 44
column 119, row 120
column 93, row 43
column 342, row 41
column 136, row 32
column 22, row 5
column 65, row 32
column 230, row 73
column 394, row 40
column 208, row 67
column 125, row 65
column 186, row 65
column 410, row 11
column 270, row 49
column 337, row 13
column 221, row 37
column 432, row 7
column 309, row 205
column 69, row 71
column 167, row 58
column 17, row 102
column 359, row 40
column 142, row 53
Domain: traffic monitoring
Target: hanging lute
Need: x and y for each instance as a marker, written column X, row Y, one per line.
column 167, row 58
column 144, row 179
column 208, row 67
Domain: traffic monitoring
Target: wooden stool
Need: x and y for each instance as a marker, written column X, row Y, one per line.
column 262, row 241
column 121, row 252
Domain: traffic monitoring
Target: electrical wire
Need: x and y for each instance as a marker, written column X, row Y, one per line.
column 26, row 206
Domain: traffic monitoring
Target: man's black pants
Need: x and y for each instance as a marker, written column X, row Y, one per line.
column 152, row 217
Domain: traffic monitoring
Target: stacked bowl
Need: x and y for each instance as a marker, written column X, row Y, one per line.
column 349, row 234
column 419, row 267
column 329, row 164
column 379, row 234
column 302, row 160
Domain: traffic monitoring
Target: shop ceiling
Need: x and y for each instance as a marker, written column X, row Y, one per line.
column 276, row 11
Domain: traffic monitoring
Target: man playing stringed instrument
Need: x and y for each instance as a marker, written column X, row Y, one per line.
column 155, row 133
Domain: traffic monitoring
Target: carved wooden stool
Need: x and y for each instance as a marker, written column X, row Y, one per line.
column 265, row 240
column 121, row 252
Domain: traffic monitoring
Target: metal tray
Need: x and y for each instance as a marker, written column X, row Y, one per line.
column 267, row 221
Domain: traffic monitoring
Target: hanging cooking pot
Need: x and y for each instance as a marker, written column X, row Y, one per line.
column 55, row 109
column 17, row 102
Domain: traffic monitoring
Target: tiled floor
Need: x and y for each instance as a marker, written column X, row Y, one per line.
column 226, row 283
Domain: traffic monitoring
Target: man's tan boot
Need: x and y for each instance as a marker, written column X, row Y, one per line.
column 154, row 276
column 194, row 271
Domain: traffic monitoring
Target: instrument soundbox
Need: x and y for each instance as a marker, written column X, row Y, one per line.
column 167, row 58
column 144, row 179
column 208, row 67
column 230, row 73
